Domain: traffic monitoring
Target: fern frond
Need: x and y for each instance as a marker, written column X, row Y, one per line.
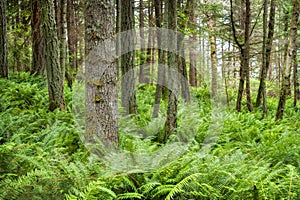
column 130, row 195
column 148, row 187
column 184, row 183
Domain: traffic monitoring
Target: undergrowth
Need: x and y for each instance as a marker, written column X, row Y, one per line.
column 42, row 156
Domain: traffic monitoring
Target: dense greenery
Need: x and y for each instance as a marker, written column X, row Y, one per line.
column 42, row 156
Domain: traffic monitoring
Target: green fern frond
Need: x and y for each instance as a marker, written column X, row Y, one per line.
column 129, row 182
column 162, row 190
column 179, row 188
column 148, row 187
column 130, row 195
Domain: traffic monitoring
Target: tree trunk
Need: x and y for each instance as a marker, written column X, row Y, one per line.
column 71, row 71
column 55, row 75
column 142, row 36
column 268, row 54
column 192, row 49
column 3, row 41
column 185, row 90
column 161, row 59
column 127, row 57
column 118, row 39
column 38, row 51
column 267, row 47
column 184, row 83
column 213, row 52
column 290, row 59
column 263, row 63
column 150, row 50
column 247, row 54
column 171, row 122
column 244, row 56
column 62, row 38
column 296, row 79
column 224, row 77
column 101, row 88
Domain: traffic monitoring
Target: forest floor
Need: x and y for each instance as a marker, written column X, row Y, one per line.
column 217, row 153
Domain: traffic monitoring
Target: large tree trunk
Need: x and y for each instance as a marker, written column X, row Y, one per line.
column 290, row 59
column 171, row 122
column 101, row 88
column 38, row 51
column 127, row 57
column 55, row 74
column 3, row 41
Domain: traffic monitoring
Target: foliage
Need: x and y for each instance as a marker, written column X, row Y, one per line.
column 42, row 156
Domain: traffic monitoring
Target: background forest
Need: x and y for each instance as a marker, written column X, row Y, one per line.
column 189, row 99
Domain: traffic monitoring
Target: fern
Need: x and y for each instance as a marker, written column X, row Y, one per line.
column 130, row 195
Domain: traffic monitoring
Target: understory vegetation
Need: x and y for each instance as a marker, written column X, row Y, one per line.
column 43, row 157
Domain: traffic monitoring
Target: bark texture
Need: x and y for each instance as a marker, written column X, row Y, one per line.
column 72, row 68
column 266, row 60
column 161, row 57
column 181, row 61
column 3, row 41
column 173, row 86
column 244, row 48
column 142, row 36
column 290, row 59
column 192, row 51
column 55, row 75
column 101, row 88
column 38, row 51
column 127, row 57
column 213, row 52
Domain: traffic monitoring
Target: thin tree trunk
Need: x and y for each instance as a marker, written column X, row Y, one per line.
column 171, row 122
column 183, row 76
column 192, row 49
column 247, row 54
column 62, row 39
column 296, row 79
column 149, row 52
column 118, row 39
column 142, row 36
column 263, row 65
column 185, row 90
column 268, row 55
column 290, row 59
column 161, row 60
column 244, row 53
column 127, row 57
column 3, row 41
column 213, row 52
column 38, row 51
column 224, row 77
column 71, row 71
